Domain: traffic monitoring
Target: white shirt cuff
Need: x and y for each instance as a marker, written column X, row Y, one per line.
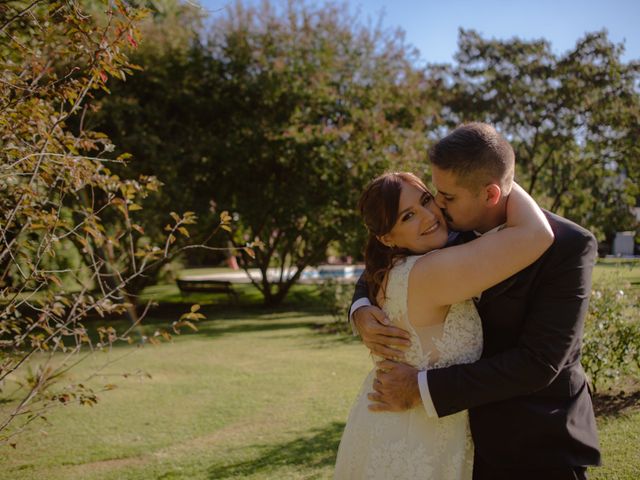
column 427, row 403
column 361, row 302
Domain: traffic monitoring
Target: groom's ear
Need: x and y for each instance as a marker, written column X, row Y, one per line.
column 493, row 194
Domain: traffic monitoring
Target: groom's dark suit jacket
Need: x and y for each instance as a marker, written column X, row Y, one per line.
column 528, row 400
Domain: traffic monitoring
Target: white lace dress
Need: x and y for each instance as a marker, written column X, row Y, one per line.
column 412, row 445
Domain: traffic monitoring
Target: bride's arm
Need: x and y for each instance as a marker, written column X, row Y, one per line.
column 458, row 273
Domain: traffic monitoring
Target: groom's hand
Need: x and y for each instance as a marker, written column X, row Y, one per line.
column 378, row 335
column 396, row 388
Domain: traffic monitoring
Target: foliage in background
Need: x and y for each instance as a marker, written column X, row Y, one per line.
column 336, row 298
column 281, row 116
column 573, row 120
column 281, row 113
column 611, row 346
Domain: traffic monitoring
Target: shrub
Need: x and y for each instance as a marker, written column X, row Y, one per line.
column 336, row 297
column 611, row 346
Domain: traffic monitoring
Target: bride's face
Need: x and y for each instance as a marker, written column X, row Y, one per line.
column 420, row 226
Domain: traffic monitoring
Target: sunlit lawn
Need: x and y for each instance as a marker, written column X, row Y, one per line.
column 619, row 271
column 253, row 394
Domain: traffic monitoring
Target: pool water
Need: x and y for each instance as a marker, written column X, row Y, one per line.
column 322, row 272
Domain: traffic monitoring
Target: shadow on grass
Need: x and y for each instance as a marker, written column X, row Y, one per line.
column 231, row 311
column 611, row 405
column 299, row 296
column 297, row 304
column 286, row 320
column 224, row 320
column 315, row 450
column 221, row 312
column 212, row 330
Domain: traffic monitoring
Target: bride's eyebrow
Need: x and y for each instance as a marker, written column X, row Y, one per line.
column 424, row 194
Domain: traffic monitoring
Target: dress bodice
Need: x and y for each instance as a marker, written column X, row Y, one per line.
column 457, row 340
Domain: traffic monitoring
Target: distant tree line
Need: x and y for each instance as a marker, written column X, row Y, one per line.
column 281, row 113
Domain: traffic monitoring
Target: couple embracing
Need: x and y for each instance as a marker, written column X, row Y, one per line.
column 477, row 345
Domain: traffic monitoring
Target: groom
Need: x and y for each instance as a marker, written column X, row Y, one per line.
column 529, row 405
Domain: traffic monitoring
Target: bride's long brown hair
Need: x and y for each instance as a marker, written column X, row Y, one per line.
column 379, row 209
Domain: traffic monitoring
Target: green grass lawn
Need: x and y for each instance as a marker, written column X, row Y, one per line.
column 258, row 396
column 248, row 295
column 253, row 394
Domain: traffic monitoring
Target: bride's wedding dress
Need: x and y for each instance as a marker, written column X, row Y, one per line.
column 410, row 444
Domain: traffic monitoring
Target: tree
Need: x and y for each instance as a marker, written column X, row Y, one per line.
column 156, row 116
column 58, row 195
column 281, row 116
column 572, row 119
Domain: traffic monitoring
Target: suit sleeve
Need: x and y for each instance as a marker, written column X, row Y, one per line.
column 361, row 290
column 550, row 339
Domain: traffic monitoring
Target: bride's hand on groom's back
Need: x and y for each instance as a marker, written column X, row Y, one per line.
column 378, row 335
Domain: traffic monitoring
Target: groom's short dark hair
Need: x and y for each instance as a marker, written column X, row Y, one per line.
column 478, row 154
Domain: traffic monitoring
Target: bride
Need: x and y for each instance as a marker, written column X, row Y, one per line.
column 427, row 291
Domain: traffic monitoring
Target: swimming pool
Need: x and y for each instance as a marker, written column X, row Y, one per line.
column 338, row 272
column 341, row 273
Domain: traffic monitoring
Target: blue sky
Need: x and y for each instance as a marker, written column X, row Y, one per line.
column 432, row 25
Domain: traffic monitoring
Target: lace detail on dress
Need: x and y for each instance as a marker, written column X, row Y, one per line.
column 389, row 459
column 395, row 306
column 461, row 339
column 410, row 445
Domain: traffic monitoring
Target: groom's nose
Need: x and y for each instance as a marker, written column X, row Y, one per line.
column 440, row 200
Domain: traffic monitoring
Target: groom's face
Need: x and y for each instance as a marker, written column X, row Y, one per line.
column 463, row 208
